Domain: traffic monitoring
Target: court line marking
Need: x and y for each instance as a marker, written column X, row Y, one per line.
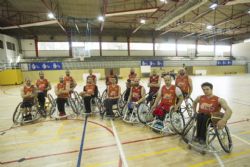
column 219, row 159
column 122, row 155
column 139, row 156
column 225, row 157
column 87, row 149
column 82, row 142
column 239, row 138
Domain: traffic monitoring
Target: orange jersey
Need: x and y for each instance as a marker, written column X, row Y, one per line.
column 154, row 79
column 28, row 90
column 182, row 83
column 68, row 79
column 113, row 90
column 209, row 105
column 42, row 84
column 132, row 76
column 136, row 93
column 90, row 89
column 62, row 86
column 168, row 95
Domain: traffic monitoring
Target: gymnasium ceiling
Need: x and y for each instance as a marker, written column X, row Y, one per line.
column 188, row 19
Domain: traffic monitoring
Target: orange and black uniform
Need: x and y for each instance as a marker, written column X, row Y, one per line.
column 92, row 91
column 28, row 102
column 113, row 91
column 207, row 105
column 168, row 99
column 68, row 80
column 42, row 85
column 61, row 98
column 136, row 93
column 154, row 79
column 183, row 84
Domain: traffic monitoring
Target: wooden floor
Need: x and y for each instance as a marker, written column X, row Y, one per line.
column 57, row 143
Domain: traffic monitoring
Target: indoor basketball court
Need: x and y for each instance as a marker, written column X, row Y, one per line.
column 83, row 48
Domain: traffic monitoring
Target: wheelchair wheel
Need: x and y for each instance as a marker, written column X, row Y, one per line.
column 225, row 139
column 104, row 95
column 177, row 121
column 96, row 105
column 17, row 116
column 73, row 105
column 189, row 129
column 52, row 108
column 187, row 109
column 144, row 113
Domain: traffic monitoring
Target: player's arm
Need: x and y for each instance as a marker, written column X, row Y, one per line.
column 157, row 100
column 49, row 86
column 143, row 95
column 180, row 98
column 195, row 102
column 227, row 114
column 190, row 83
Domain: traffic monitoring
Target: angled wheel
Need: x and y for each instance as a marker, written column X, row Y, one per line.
column 177, row 121
column 224, row 138
column 96, row 105
column 17, row 116
column 104, row 95
column 144, row 113
column 73, row 105
column 52, row 105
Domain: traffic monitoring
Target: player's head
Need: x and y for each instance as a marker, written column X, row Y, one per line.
column 90, row 80
column 41, row 75
column 67, row 72
column 132, row 71
column 111, row 71
column 28, row 81
column 61, row 79
column 168, row 79
column 136, row 81
column 154, row 72
column 182, row 71
column 90, row 71
column 207, row 88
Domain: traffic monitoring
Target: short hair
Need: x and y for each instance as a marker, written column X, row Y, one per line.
column 41, row 73
column 128, row 80
column 207, row 84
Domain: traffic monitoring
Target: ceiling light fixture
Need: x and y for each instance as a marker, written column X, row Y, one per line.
column 213, row 6
column 142, row 21
column 51, row 16
column 209, row 27
column 100, row 18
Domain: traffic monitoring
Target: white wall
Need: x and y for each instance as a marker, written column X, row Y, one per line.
column 3, row 57
column 6, row 55
column 28, row 47
column 241, row 50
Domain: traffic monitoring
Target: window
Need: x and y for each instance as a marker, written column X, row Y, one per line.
column 141, row 46
column 114, row 46
column 9, row 45
column 165, row 46
column 13, row 47
column 1, row 44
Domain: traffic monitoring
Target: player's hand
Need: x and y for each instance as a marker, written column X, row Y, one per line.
column 221, row 124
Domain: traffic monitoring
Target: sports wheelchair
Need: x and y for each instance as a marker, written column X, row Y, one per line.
column 172, row 123
column 216, row 139
column 32, row 113
column 95, row 103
